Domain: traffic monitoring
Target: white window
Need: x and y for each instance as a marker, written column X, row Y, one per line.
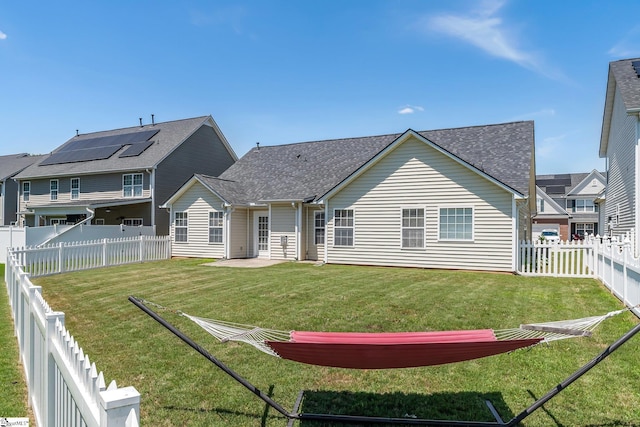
column 584, row 229
column 412, row 228
column 215, row 226
column 132, row 185
column 540, row 205
column 343, row 227
column 456, row 224
column 75, row 188
column 319, row 228
column 53, row 189
column 180, row 227
column 57, row 221
column 132, row 222
column 584, row 206
column 26, row 191
column 98, row 221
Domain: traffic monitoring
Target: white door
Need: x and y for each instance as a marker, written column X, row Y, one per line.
column 261, row 234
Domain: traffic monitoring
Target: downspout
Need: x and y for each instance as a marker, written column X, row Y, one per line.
column 326, row 232
column 92, row 214
column 514, row 230
column 636, row 220
column 152, row 190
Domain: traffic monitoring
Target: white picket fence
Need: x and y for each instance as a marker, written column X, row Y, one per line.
column 74, row 256
column 65, row 387
column 611, row 262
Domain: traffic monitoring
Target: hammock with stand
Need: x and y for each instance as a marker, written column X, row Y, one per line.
column 391, row 350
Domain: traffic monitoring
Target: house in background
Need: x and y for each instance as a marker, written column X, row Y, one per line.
column 450, row 198
column 569, row 203
column 619, row 145
column 121, row 176
column 10, row 165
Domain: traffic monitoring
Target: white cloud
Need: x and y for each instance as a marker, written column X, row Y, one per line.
column 410, row 109
column 627, row 47
column 486, row 30
column 2, row 35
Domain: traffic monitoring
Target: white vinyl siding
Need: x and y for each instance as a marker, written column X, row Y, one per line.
column 414, row 174
column 283, row 226
column 621, row 152
column 239, row 243
column 198, row 202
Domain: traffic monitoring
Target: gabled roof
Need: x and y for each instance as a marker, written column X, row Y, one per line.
column 559, row 210
column 169, row 136
column 11, row 164
column 230, row 192
column 623, row 76
column 562, row 185
column 308, row 170
column 586, row 182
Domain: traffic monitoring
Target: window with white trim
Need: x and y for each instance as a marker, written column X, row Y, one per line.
column 98, row 221
column 584, row 229
column 319, row 225
column 584, row 206
column 132, row 222
column 75, row 188
column 412, row 228
column 343, row 227
column 215, row 226
column 132, row 185
column 539, row 204
column 180, row 226
column 456, row 224
column 26, row 191
column 53, row 189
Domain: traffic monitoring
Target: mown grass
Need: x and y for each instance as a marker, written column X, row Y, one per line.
column 181, row 388
column 13, row 390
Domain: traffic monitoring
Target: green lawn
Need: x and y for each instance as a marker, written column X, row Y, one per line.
column 180, row 388
column 13, row 391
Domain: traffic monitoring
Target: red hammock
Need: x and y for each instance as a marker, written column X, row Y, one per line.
column 393, row 350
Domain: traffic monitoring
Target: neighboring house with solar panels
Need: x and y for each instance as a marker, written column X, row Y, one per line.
column 121, row 176
column 10, row 165
column 450, row 198
column 569, row 203
column 619, row 145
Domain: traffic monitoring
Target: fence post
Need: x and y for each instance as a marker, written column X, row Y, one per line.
column 49, row 369
column 141, row 248
column 60, row 267
column 116, row 405
column 104, row 252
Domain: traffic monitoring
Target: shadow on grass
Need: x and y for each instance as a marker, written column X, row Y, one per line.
column 463, row 406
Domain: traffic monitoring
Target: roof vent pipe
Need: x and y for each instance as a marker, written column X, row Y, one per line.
column 153, row 122
column 77, row 132
column 258, row 145
column 140, row 121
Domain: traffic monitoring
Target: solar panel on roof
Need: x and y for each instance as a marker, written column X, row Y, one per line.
column 136, row 149
column 636, row 67
column 102, row 147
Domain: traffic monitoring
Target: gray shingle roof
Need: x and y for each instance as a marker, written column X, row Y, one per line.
column 627, row 81
column 11, row 164
column 305, row 171
column 171, row 134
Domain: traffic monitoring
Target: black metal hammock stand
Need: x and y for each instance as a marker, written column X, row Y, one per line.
column 294, row 415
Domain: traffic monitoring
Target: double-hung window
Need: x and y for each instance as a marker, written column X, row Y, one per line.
column 319, row 228
column 413, row 228
column 53, row 189
column 26, row 191
column 132, row 185
column 456, row 224
column 584, row 206
column 180, row 227
column 343, row 227
column 132, row 222
column 215, row 226
column 75, row 188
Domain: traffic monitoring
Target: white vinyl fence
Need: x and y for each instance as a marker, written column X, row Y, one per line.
column 65, row 387
column 611, row 262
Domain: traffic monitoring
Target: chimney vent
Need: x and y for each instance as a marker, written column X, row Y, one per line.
column 153, row 121
column 77, row 132
column 140, row 121
column 258, row 145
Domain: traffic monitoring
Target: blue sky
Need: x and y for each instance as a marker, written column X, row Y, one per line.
column 278, row 72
